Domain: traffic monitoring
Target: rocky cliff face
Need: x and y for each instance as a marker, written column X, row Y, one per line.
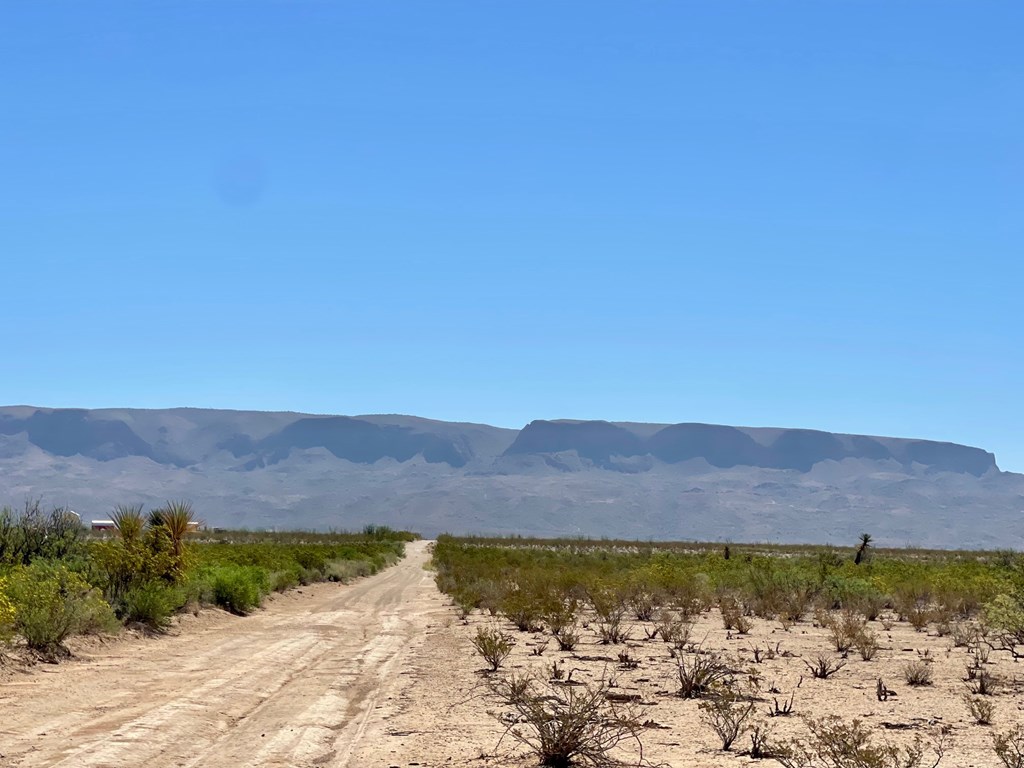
column 551, row 477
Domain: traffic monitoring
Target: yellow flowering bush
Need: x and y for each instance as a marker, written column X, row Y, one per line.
column 6, row 612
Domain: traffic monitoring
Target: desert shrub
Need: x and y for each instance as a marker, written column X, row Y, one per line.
column 643, row 606
column 824, row 666
column 702, row 674
column 981, row 681
column 866, row 644
column 778, row 590
column 345, row 571
column 561, row 614
column 280, row 581
column 610, row 629
column 142, row 556
column 674, row 629
column 151, row 604
column 1009, row 747
column 567, row 638
column 760, row 740
column 962, row 634
column 7, row 612
column 727, row 715
column 731, row 610
column 490, row 593
column 33, row 534
column 493, row 645
column 835, row 744
column 50, row 603
column 98, row 616
column 567, row 725
column 844, row 629
column 238, row 588
column 981, row 710
column 523, row 608
column 1004, row 620
column 917, row 673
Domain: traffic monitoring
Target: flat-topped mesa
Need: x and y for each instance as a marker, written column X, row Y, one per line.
column 724, row 446
column 190, row 437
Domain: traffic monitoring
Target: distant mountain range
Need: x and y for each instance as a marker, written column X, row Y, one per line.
column 597, row 478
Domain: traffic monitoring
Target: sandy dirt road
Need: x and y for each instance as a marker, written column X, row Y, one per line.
column 297, row 684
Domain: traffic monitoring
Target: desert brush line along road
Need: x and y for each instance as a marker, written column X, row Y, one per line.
column 295, row 684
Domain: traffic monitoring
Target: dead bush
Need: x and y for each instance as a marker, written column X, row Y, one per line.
column 824, row 666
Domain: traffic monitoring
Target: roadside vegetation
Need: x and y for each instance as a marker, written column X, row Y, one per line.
column 58, row 579
column 736, row 635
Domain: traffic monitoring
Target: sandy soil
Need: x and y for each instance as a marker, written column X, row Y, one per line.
column 296, row 684
column 382, row 673
column 443, row 717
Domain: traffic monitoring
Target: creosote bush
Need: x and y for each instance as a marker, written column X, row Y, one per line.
column 702, row 674
column 1009, row 747
column 833, row 743
column 151, row 604
column 981, row 710
column 493, row 645
column 566, row 725
column 917, row 673
column 727, row 714
column 51, row 603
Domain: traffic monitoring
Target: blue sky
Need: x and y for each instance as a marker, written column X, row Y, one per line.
column 757, row 213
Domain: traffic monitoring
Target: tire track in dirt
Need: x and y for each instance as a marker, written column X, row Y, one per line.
column 293, row 685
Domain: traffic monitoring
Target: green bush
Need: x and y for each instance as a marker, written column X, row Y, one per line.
column 151, row 604
column 239, row 588
column 282, row 580
column 346, row 570
column 51, row 603
column 98, row 617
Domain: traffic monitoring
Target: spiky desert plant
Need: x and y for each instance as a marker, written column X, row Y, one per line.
column 177, row 518
column 129, row 522
column 862, row 550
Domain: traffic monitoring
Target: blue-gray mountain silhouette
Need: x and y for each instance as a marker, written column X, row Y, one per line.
column 722, row 446
column 690, row 480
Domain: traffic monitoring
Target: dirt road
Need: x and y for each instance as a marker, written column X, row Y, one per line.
column 296, row 684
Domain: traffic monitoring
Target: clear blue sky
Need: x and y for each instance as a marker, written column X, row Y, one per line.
column 758, row 213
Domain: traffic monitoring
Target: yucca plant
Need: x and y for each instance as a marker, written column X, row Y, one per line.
column 129, row 522
column 175, row 519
